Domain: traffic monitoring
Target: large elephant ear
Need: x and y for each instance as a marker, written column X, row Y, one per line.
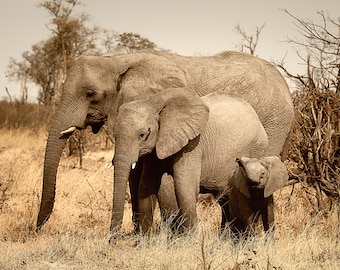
column 183, row 116
column 278, row 175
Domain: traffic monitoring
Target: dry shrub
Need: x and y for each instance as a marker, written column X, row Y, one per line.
column 23, row 115
column 21, row 153
column 315, row 147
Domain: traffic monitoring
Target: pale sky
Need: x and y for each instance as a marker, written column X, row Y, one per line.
column 188, row 27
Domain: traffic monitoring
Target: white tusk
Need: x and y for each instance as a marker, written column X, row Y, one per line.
column 67, row 131
column 133, row 166
column 112, row 163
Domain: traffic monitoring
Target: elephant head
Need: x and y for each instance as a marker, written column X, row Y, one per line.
column 267, row 173
column 87, row 96
column 164, row 123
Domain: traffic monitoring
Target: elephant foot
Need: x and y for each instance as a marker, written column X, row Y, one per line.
column 121, row 238
column 114, row 236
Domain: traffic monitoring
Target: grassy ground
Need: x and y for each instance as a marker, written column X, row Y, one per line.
column 76, row 236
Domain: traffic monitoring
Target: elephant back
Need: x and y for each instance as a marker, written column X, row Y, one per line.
column 240, row 128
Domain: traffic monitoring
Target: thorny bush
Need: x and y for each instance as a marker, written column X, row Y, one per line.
column 315, row 142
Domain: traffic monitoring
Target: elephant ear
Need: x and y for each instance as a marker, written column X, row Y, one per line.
column 183, row 116
column 278, row 175
column 239, row 182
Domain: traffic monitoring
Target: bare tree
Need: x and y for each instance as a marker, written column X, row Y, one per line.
column 109, row 40
column 249, row 42
column 18, row 71
column 319, row 51
column 316, row 135
column 9, row 96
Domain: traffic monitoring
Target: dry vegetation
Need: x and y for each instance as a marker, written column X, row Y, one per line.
column 76, row 237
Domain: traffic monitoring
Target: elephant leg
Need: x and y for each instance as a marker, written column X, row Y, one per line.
column 223, row 201
column 187, row 173
column 268, row 213
column 147, row 193
column 229, row 219
column 187, row 200
column 134, row 181
column 234, row 206
column 168, row 202
column 268, row 220
column 147, row 204
column 251, row 222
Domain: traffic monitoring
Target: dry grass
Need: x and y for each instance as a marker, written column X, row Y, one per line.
column 76, row 237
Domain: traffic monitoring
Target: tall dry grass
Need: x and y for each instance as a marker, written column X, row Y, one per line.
column 76, row 236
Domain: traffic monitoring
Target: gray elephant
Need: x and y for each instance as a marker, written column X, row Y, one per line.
column 196, row 140
column 96, row 86
column 252, row 185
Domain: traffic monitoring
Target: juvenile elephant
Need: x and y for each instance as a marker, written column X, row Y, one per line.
column 196, row 140
column 96, row 86
column 250, row 195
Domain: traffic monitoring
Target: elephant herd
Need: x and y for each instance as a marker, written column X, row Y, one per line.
column 183, row 126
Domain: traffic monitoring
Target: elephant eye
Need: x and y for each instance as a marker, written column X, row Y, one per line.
column 90, row 93
column 143, row 136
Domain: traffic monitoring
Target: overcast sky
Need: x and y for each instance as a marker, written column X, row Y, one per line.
column 188, row 27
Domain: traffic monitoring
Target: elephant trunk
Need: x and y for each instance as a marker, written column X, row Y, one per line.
column 123, row 164
column 54, row 148
column 66, row 116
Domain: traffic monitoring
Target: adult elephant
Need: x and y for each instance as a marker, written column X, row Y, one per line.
column 197, row 141
column 97, row 85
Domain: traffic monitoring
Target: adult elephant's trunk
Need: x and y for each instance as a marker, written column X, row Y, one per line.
column 67, row 115
column 122, row 169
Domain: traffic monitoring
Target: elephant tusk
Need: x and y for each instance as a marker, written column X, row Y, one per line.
column 133, row 166
column 68, row 131
column 112, row 163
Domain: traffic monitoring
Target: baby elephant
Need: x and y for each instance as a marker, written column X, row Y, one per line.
column 251, row 192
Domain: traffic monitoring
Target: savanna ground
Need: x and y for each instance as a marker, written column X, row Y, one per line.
column 76, row 236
